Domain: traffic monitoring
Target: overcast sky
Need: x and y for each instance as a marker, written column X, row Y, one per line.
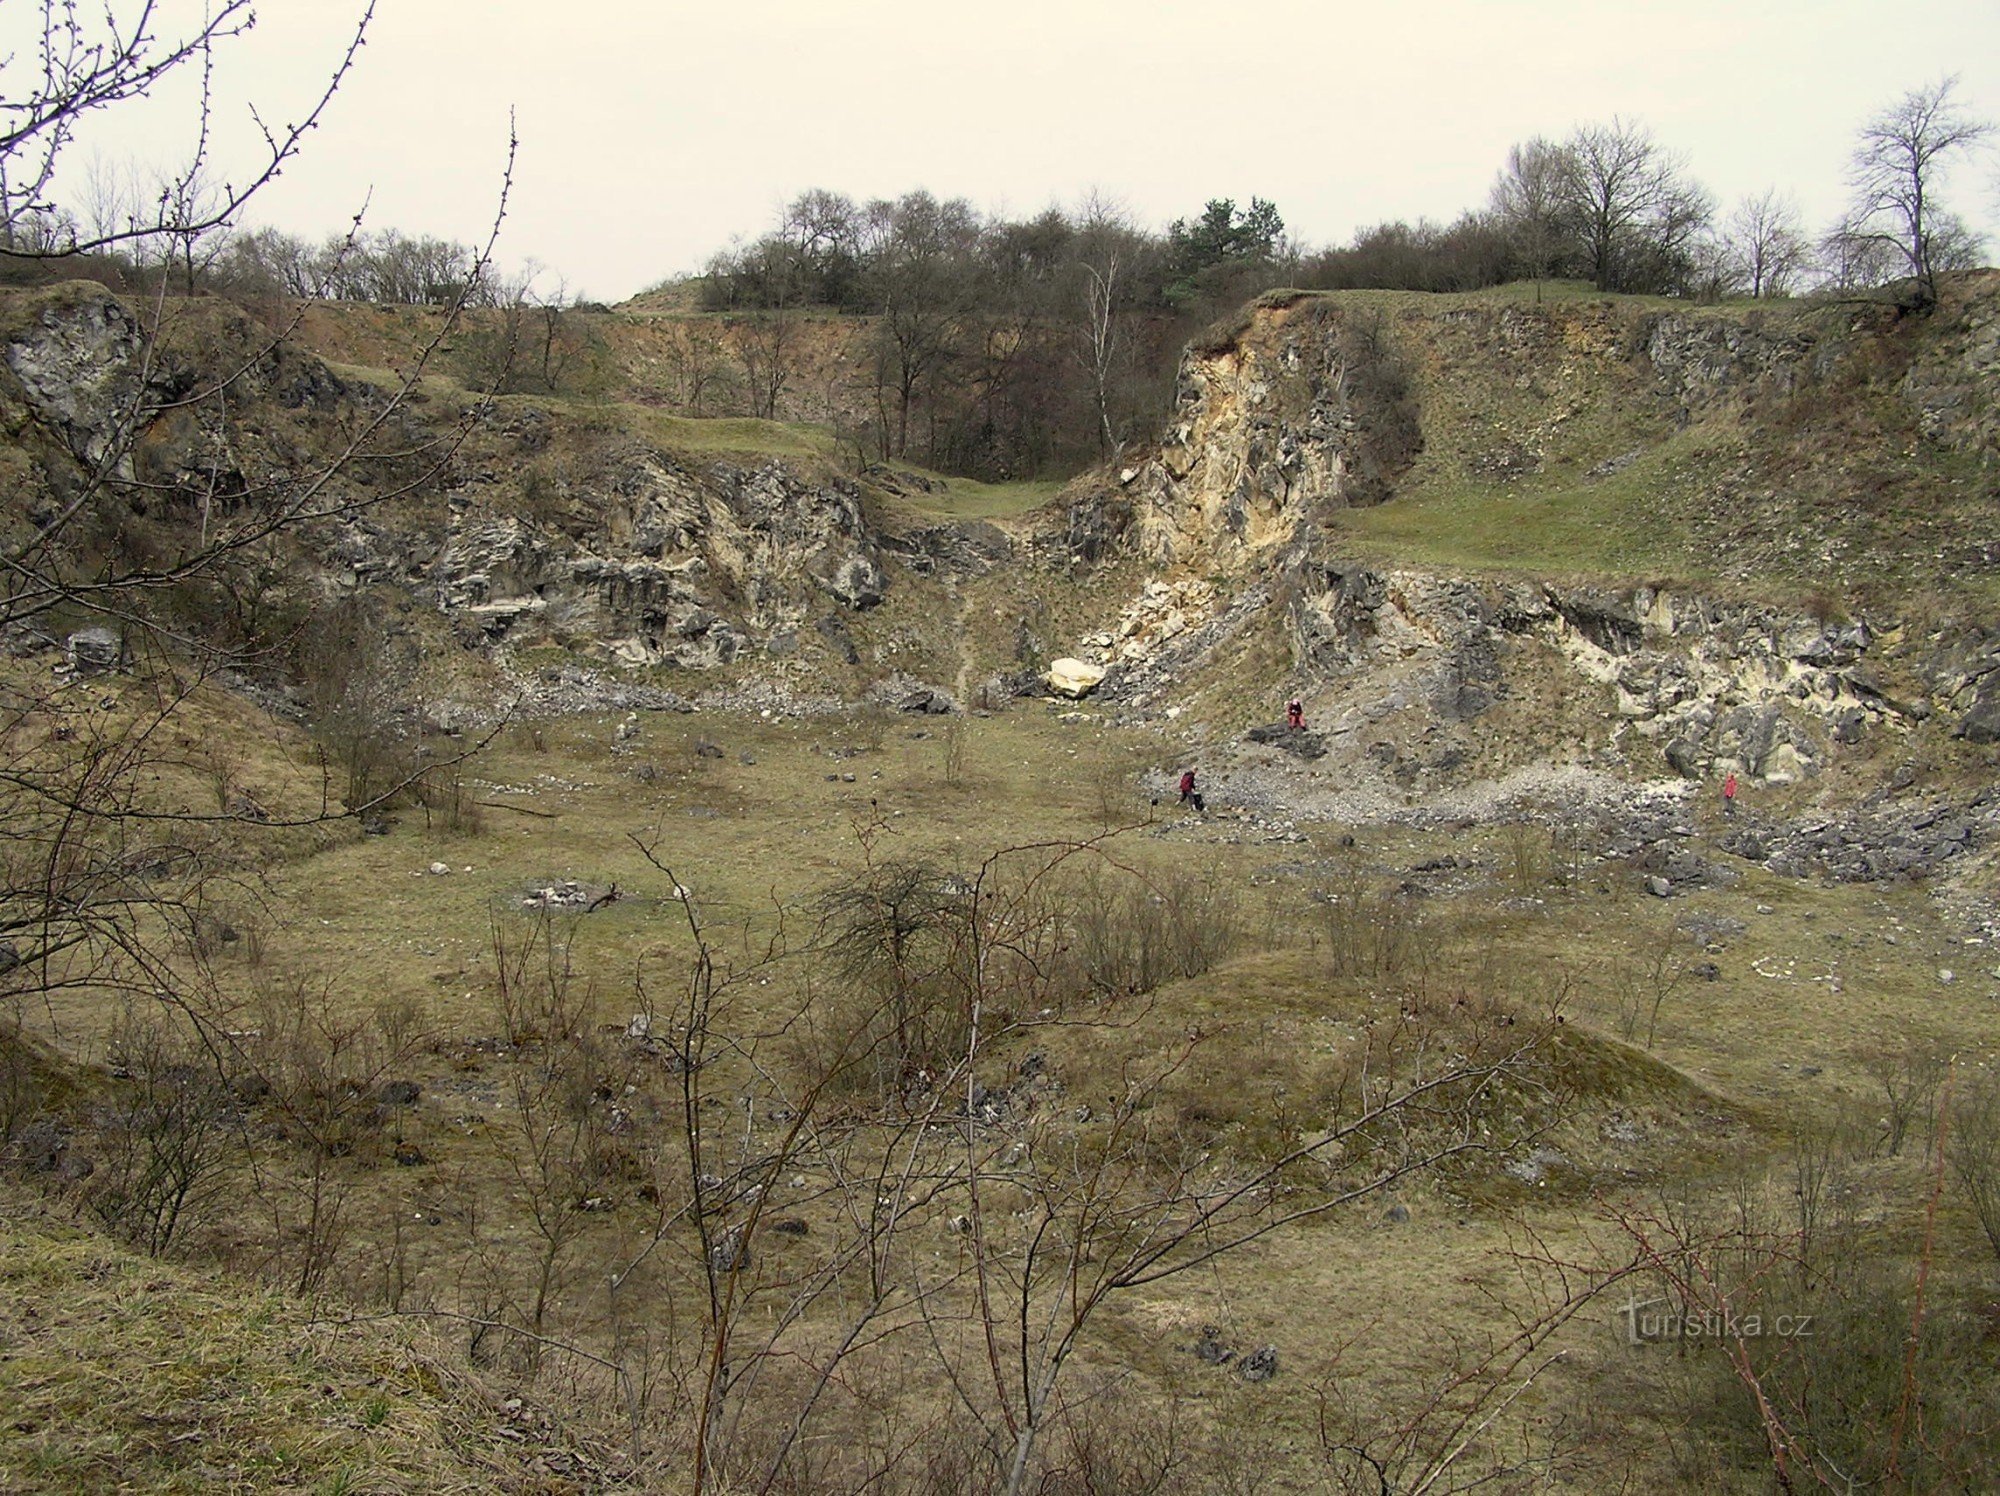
column 650, row 133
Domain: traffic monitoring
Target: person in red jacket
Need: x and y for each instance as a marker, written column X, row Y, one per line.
column 1729, row 793
column 1295, row 714
column 1187, row 785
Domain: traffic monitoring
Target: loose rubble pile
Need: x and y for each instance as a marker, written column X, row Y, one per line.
column 1873, row 843
column 563, row 689
column 1259, row 1365
column 568, row 894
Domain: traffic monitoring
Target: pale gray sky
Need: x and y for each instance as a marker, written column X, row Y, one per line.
column 652, row 132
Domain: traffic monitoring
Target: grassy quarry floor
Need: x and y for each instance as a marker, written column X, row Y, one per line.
column 1764, row 1003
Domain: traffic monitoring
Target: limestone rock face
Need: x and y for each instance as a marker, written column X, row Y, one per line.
column 1674, row 680
column 684, row 567
column 849, row 577
column 1700, row 359
column 93, row 651
column 616, row 546
column 78, row 364
column 1982, row 721
column 1951, row 382
column 1075, row 679
column 1268, row 430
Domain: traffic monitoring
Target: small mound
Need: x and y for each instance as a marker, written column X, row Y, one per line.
column 131, row 1374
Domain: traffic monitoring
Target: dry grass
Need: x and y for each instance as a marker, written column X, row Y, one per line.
column 1740, row 1063
column 125, row 1374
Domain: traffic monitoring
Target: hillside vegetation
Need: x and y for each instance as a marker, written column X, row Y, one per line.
column 598, row 901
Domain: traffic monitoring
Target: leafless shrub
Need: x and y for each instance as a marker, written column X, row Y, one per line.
column 1972, row 1146
column 448, row 801
column 1799, row 1346
column 898, row 938
column 1536, row 857
column 1371, row 930
column 1112, row 796
column 256, row 943
column 23, row 1090
column 222, row 767
column 1113, row 1206
column 567, row 1145
column 1908, row 1069
column 1128, row 932
column 951, row 743
column 868, row 727
column 695, row 359
column 1644, row 978
column 316, row 1067
column 1447, row 1430
column 1107, row 1439
column 358, row 702
column 1524, row 858
column 162, row 1137
column 1820, row 1178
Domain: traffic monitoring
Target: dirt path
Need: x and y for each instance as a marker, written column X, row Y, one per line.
column 959, row 681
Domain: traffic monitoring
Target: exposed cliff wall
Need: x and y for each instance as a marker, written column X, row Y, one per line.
column 1776, row 421
column 530, row 522
column 1305, row 407
column 1775, row 436
column 515, row 521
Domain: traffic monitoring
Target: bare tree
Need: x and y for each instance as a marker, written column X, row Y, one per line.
column 85, row 60
column 1900, row 159
column 919, row 250
column 824, row 230
column 1852, row 259
column 1107, row 249
column 1635, row 213
column 267, row 260
column 755, row 1372
column 694, row 359
column 1528, row 198
column 1766, row 243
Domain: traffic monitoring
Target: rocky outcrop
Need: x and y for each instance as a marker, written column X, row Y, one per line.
column 1486, row 676
column 1955, row 373
column 1881, row 840
column 1700, row 359
column 77, row 358
column 617, row 547
column 1705, row 685
column 94, row 651
column 969, row 547
column 1422, row 679
column 1965, row 670
column 1302, row 409
column 688, row 568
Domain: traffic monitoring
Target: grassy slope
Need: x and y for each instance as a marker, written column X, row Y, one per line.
column 1565, row 460
column 126, row 1374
